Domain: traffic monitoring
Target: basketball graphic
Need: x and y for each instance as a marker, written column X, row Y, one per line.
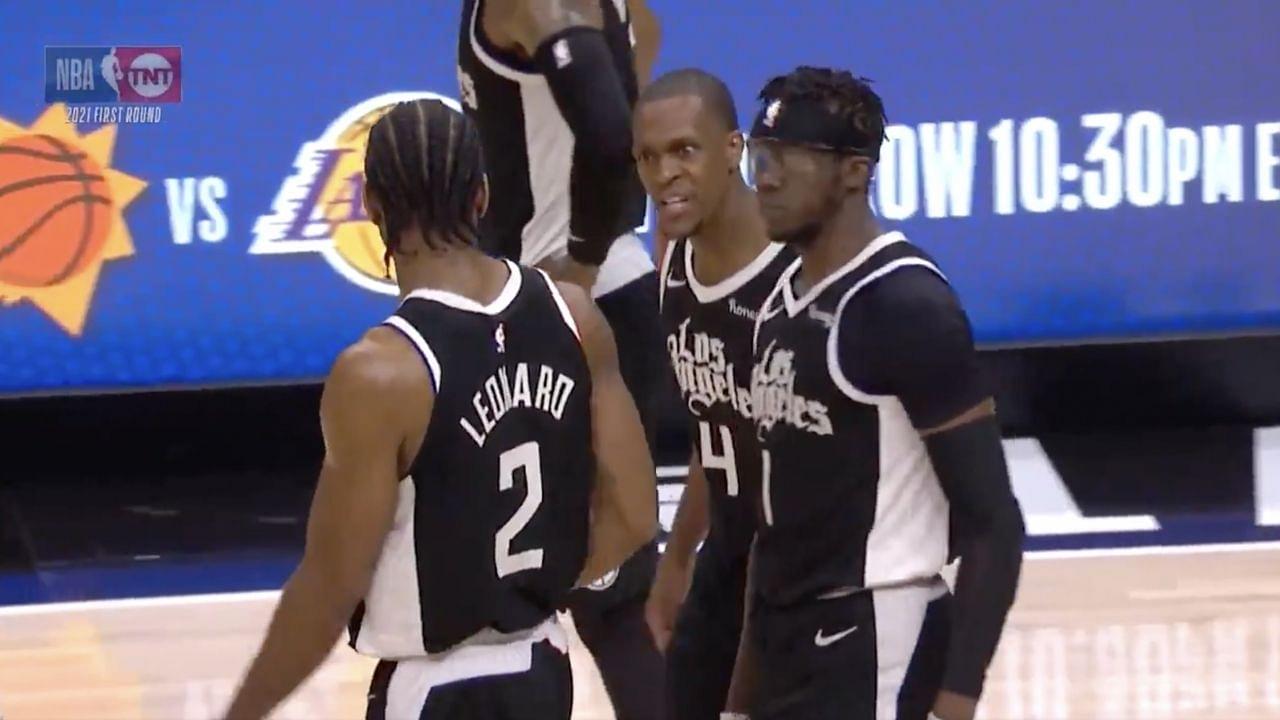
column 336, row 222
column 55, row 211
column 60, row 215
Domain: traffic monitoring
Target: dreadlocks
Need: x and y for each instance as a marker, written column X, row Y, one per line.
column 842, row 94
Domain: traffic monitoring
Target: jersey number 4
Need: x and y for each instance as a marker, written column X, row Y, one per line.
column 528, row 458
column 725, row 461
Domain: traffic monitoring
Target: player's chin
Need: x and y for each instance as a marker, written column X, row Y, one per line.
column 788, row 233
column 678, row 227
column 775, row 225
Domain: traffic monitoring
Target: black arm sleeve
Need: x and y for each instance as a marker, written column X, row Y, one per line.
column 969, row 461
column 589, row 90
column 906, row 335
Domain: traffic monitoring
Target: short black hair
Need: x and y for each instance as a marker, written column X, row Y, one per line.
column 424, row 164
column 715, row 95
column 841, row 92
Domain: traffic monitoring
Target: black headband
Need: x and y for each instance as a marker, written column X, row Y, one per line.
column 807, row 121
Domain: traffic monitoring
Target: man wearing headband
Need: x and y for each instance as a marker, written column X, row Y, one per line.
column 881, row 449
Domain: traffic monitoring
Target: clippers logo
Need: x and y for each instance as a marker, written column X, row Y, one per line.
column 605, row 582
column 773, row 395
column 703, row 373
column 320, row 207
column 561, row 52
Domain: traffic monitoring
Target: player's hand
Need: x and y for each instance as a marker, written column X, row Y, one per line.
column 952, row 706
column 563, row 268
column 670, row 585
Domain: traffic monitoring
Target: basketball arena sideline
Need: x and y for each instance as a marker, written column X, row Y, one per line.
column 880, row 280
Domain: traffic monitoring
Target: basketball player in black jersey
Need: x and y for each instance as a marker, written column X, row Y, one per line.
column 718, row 268
column 878, row 436
column 482, row 456
column 551, row 85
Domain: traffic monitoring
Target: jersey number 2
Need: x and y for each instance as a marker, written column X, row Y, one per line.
column 725, row 461
column 525, row 457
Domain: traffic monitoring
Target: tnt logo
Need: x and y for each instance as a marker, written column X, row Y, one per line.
column 121, row 74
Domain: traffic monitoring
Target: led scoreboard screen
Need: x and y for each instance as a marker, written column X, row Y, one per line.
column 180, row 182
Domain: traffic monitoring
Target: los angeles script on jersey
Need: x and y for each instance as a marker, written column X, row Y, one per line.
column 704, row 375
column 773, row 381
column 505, row 391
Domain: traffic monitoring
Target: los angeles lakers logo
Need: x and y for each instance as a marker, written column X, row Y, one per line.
column 320, row 208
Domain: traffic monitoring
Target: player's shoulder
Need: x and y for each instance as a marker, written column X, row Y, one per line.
column 533, row 21
column 583, row 311
column 909, row 288
column 911, row 301
column 383, row 363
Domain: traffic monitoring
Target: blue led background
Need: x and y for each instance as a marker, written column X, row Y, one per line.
column 1083, row 171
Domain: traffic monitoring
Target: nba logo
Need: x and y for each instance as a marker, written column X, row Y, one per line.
column 120, row 74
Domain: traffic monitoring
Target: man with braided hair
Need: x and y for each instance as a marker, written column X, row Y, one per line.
column 551, row 84
column 482, row 458
column 881, row 449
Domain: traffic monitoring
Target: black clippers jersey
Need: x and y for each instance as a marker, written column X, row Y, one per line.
column 849, row 496
column 529, row 148
column 709, row 332
column 492, row 524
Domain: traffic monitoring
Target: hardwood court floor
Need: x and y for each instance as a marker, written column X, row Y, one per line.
column 1172, row 634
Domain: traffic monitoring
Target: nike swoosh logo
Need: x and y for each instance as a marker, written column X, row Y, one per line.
column 676, row 283
column 824, row 640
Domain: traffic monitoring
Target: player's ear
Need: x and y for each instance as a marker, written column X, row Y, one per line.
column 371, row 207
column 482, row 197
column 733, row 150
column 855, row 172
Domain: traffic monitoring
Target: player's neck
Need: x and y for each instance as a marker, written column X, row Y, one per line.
column 461, row 271
column 851, row 230
column 732, row 239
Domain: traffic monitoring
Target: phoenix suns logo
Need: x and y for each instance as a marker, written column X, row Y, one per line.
column 61, row 215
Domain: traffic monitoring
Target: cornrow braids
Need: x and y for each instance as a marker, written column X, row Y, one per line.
column 840, row 91
column 424, row 164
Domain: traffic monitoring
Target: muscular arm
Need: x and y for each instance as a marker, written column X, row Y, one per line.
column 625, row 505
column 376, row 394
column 908, row 336
column 565, row 41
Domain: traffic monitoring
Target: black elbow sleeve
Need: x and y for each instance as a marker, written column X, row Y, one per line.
column 989, row 531
column 589, row 91
column 970, row 464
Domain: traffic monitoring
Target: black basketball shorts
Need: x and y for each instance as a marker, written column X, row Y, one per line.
column 518, row 679
column 704, row 645
column 873, row 655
